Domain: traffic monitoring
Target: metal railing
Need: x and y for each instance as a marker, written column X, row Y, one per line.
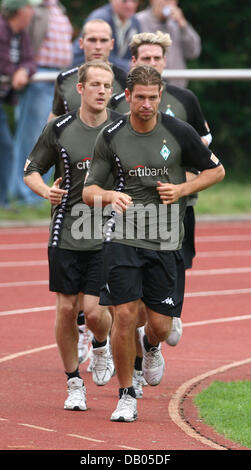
column 188, row 74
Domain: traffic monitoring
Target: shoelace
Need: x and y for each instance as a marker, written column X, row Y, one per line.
column 125, row 401
column 152, row 358
column 77, row 391
column 100, row 361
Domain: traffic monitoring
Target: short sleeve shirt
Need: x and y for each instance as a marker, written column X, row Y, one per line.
column 67, row 143
column 137, row 162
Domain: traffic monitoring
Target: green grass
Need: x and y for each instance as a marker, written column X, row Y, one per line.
column 24, row 213
column 226, row 406
column 225, row 198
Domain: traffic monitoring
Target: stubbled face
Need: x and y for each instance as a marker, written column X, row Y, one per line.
column 152, row 55
column 97, row 42
column 97, row 90
column 144, row 101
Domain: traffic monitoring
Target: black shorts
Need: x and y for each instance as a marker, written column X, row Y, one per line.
column 156, row 277
column 188, row 245
column 73, row 271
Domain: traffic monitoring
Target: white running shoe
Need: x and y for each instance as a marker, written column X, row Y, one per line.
column 76, row 400
column 90, row 365
column 103, row 366
column 137, row 383
column 84, row 343
column 153, row 365
column 175, row 333
column 126, row 410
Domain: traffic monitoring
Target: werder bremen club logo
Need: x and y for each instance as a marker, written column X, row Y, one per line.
column 165, row 152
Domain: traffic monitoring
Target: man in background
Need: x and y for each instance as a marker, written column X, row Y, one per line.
column 120, row 15
column 96, row 43
column 168, row 17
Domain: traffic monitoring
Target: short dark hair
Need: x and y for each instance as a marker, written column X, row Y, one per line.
column 143, row 75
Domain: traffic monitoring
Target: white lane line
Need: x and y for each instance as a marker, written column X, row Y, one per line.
column 177, row 397
column 23, row 246
column 129, row 448
column 21, row 230
column 217, row 320
column 218, row 292
column 85, row 438
column 222, row 253
column 22, row 264
column 222, row 238
column 77, row 436
column 20, row 311
column 24, row 283
column 36, row 427
column 25, row 353
column 210, row 272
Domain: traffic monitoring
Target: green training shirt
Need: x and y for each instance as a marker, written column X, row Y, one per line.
column 66, row 98
column 67, row 143
column 137, row 162
column 176, row 102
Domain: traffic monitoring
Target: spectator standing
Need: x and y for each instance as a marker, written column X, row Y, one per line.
column 51, row 36
column 120, row 15
column 17, row 65
column 168, row 17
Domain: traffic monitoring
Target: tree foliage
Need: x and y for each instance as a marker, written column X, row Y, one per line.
column 226, row 43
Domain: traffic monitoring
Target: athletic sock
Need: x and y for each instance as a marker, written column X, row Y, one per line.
column 97, row 344
column 81, row 318
column 147, row 345
column 129, row 391
column 138, row 363
column 71, row 375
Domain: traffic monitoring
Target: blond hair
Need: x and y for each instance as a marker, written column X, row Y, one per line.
column 98, row 64
column 160, row 39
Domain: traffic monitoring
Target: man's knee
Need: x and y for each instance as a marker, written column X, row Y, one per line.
column 126, row 315
column 160, row 325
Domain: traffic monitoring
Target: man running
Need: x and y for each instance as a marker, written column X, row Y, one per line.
column 75, row 259
column 147, row 153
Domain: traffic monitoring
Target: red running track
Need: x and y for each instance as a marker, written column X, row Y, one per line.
column 215, row 345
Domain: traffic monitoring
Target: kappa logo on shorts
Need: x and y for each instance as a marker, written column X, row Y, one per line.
column 168, row 301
